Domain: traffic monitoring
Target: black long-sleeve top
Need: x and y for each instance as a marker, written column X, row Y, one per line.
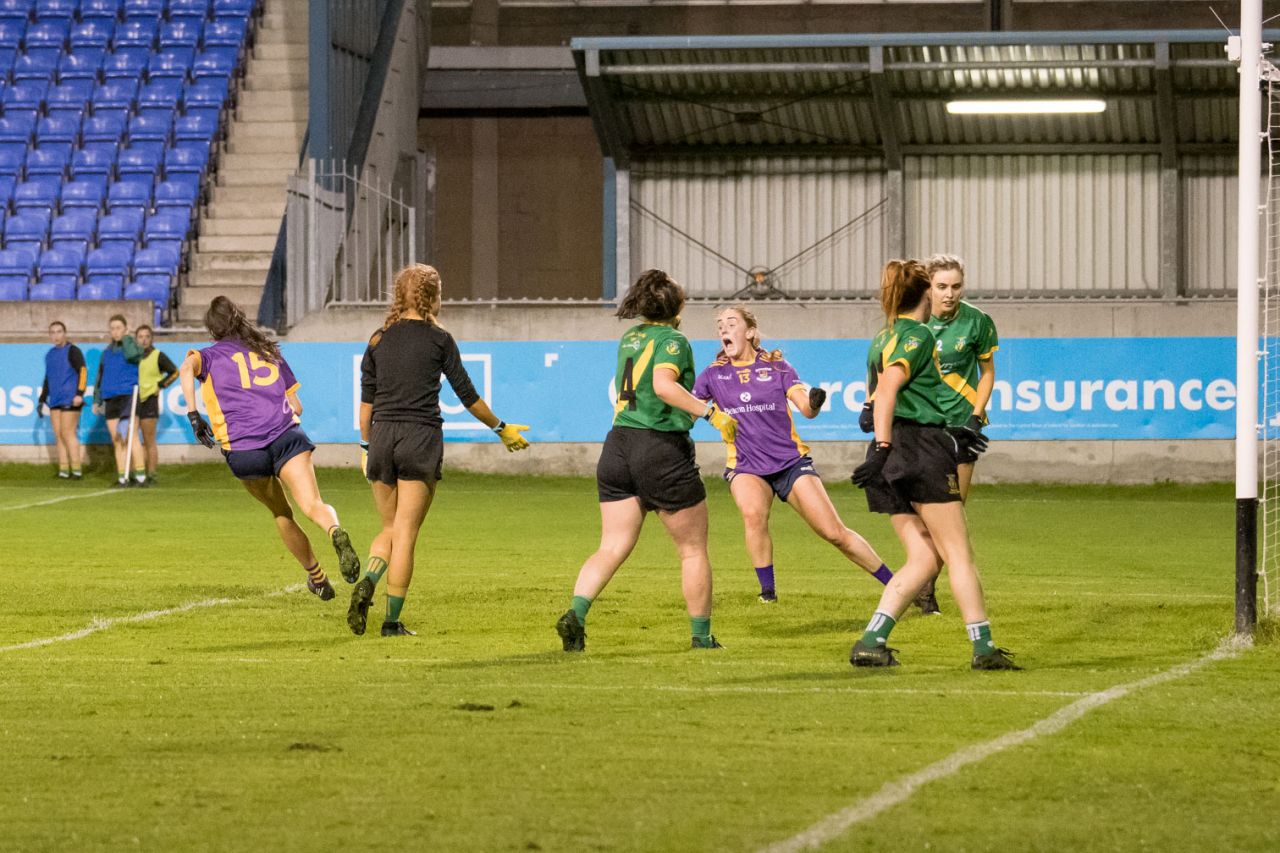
column 401, row 369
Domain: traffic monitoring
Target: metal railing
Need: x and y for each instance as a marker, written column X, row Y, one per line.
column 348, row 234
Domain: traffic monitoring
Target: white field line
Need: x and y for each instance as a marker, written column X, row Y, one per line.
column 61, row 499
column 900, row 790
column 103, row 624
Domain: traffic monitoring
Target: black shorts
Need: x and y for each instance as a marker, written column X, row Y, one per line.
column 404, row 451
column 117, row 407
column 66, row 408
column 267, row 461
column 656, row 467
column 782, row 482
column 921, row 469
column 149, row 409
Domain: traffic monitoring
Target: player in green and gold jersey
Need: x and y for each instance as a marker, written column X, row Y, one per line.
column 647, row 463
column 967, row 344
column 910, row 471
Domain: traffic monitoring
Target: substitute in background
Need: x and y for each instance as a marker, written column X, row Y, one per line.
column 62, row 395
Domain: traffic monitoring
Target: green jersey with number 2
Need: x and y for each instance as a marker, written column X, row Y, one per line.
column 642, row 349
column 964, row 339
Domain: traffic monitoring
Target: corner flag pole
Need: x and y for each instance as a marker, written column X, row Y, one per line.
column 1247, row 419
column 133, row 431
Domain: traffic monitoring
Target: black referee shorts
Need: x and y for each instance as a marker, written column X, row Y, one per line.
column 401, row 450
column 921, row 469
column 117, row 407
column 656, row 467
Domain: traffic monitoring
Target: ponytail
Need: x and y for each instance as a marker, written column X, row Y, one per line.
column 902, row 285
column 225, row 319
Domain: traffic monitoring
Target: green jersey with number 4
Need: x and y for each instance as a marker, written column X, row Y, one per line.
column 642, row 349
column 964, row 339
column 909, row 343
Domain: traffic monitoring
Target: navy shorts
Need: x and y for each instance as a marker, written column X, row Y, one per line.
column 267, row 461
column 782, row 482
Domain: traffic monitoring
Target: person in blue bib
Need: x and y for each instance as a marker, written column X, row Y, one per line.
column 62, row 396
column 113, row 397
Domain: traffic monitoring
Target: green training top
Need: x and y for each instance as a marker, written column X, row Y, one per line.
column 642, row 349
column 964, row 339
column 910, row 343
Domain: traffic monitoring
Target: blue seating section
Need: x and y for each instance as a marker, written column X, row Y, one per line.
column 108, row 112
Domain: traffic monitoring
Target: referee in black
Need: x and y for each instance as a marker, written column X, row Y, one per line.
column 401, row 439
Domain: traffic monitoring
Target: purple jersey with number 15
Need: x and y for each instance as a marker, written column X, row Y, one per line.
column 244, row 394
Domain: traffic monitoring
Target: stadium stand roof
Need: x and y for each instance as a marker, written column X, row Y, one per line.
column 1166, row 91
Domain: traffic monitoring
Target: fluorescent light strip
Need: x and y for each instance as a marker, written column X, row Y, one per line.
column 1025, row 107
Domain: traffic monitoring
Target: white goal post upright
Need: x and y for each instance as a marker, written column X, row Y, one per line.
column 1247, row 287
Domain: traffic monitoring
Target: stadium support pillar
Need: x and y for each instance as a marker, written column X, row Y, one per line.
column 319, row 82
column 895, row 232
column 1172, row 282
column 1247, row 286
column 617, row 214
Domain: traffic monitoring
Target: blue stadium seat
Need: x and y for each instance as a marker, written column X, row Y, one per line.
column 166, row 230
column 11, row 34
column 185, row 164
column 129, row 195
column 218, row 64
column 7, row 183
column 232, row 9
column 35, row 195
column 58, row 128
column 225, row 34
column 184, row 33
column 81, row 65
column 144, row 9
column 70, row 99
column 195, row 131
column 55, row 9
column 16, row 11
column 205, row 97
column 17, row 269
column 11, row 161
column 85, row 193
column 7, row 57
column 153, row 273
column 120, row 231
column 109, row 261
column 93, row 162
column 27, row 231
column 136, row 32
column 150, row 127
column 73, row 230
column 54, row 287
column 50, row 35
column 116, row 94
column 50, row 161
column 101, row 286
column 176, row 63
column 164, row 95
column 138, row 162
column 99, row 10
column 103, row 127
column 176, row 195
column 58, row 272
column 188, row 9
column 125, row 63
column 92, row 34
column 35, row 66
column 27, row 95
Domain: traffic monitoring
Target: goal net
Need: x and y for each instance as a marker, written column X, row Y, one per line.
column 1269, row 354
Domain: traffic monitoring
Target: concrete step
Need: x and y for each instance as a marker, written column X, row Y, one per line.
column 246, row 296
column 275, row 145
column 267, row 178
column 280, row 50
column 272, row 66
column 250, row 195
column 294, row 35
column 291, row 129
column 294, row 82
column 245, row 209
column 236, row 226
column 268, row 113
column 280, row 99
column 243, row 162
column 226, row 278
column 232, row 261
column 236, row 244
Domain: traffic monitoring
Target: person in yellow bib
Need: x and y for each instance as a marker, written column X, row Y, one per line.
column 155, row 373
column 647, row 463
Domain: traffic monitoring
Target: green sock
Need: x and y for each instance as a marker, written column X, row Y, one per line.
column 377, row 567
column 140, row 474
column 980, row 636
column 580, row 606
column 76, row 470
column 877, row 633
column 394, row 603
column 701, row 626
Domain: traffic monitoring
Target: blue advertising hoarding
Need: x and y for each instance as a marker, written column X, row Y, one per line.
column 1046, row 389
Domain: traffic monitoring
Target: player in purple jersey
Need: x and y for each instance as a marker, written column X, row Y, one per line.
column 767, row 457
column 252, row 399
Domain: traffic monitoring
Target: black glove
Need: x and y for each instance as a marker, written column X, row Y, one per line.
column 971, row 434
column 817, row 396
column 200, row 427
column 871, row 470
column 867, row 418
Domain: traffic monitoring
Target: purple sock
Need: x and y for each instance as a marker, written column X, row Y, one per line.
column 765, row 576
column 883, row 574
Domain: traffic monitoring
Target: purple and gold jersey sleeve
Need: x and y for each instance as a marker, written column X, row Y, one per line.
column 787, row 375
column 702, row 385
column 291, row 383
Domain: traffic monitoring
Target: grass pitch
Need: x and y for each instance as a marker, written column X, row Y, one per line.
column 255, row 721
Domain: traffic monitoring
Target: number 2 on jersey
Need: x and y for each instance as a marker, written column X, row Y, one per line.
column 250, row 374
column 627, row 394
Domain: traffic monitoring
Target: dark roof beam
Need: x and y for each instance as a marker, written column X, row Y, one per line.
column 610, row 125
column 886, row 112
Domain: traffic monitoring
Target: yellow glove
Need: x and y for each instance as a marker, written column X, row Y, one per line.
column 725, row 423
column 511, row 437
column 364, row 459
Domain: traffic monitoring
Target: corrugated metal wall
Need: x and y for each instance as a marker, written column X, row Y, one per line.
column 1040, row 224
column 761, row 212
column 1209, row 211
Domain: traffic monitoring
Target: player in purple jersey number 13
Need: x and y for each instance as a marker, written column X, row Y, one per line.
column 252, row 399
column 767, row 457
